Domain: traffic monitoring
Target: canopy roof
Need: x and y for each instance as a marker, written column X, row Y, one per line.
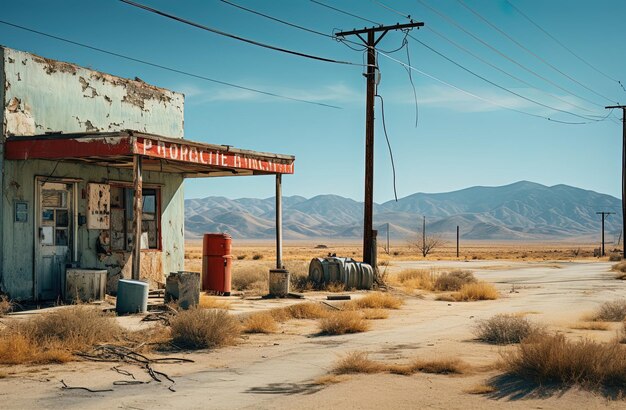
column 162, row 154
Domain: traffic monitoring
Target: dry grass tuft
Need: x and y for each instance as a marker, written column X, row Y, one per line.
column 417, row 279
column 201, row 328
column 251, row 278
column 439, row 366
column 359, row 362
column 342, row 322
column 52, row 337
column 454, row 280
column 212, row 302
column 480, row 389
column 613, row 311
column 620, row 268
column 262, row 322
column 306, row 310
column 6, row 306
column 590, row 326
column 375, row 314
column 379, row 300
column 554, row 359
column 330, row 379
column 504, row 329
column 476, row 291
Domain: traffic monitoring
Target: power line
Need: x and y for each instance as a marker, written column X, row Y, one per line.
column 344, row 12
column 505, row 72
column 460, row 27
column 462, row 3
column 407, row 16
column 564, row 46
column 235, row 37
column 499, row 86
column 482, row 98
column 174, row 70
column 484, row 78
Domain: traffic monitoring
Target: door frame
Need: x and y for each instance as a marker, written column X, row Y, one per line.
column 36, row 222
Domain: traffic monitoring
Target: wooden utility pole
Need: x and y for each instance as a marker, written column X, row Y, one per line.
column 457, row 241
column 370, row 76
column 137, row 213
column 604, row 216
column 623, row 108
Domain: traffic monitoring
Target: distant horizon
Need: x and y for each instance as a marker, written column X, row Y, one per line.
column 399, row 198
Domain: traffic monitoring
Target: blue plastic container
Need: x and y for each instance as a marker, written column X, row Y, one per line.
column 132, row 297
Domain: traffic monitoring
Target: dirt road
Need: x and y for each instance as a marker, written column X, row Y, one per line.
column 279, row 370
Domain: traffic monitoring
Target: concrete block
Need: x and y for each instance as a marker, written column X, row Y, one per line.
column 183, row 288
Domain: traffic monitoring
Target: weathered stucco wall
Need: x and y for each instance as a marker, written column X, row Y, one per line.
column 43, row 95
column 18, row 264
column 39, row 95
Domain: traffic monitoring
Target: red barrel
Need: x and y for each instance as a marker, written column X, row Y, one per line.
column 216, row 263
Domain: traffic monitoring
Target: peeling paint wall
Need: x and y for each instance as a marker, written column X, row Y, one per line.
column 18, row 265
column 43, row 95
column 39, row 95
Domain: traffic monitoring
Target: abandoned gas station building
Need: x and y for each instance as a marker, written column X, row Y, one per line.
column 92, row 175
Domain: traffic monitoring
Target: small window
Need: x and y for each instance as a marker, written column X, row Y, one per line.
column 122, row 219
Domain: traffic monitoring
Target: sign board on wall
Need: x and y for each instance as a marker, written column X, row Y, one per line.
column 98, row 206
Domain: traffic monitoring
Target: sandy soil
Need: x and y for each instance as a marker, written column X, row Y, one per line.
column 280, row 370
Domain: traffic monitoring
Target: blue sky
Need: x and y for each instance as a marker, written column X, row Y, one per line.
column 460, row 141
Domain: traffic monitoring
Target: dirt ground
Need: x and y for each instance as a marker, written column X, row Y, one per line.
column 280, row 370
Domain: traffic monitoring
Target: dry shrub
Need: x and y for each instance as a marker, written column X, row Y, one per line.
column 334, row 287
column 613, row 311
column 454, row 281
column 614, row 257
column 446, row 298
column 262, row 322
column 622, row 334
column 439, row 366
column 554, row 359
column 379, row 300
column 620, row 268
column 257, row 256
column 590, row 326
column 201, row 328
column 6, row 306
column 300, row 282
column 359, row 362
column 416, row 279
column 250, row 278
column 241, row 257
column 476, row 291
column 375, row 314
column 52, row 337
column 306, row 310
column 212, row 302
column 504, row 329
column 342, row 322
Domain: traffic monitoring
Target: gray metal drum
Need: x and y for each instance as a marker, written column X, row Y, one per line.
column 352, row 281
column 367, row 276
column 132, row 296
column 316, row 270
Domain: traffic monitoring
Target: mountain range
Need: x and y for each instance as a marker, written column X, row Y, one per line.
column 520, row 211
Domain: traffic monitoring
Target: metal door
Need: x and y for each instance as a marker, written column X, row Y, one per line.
column 54, row 236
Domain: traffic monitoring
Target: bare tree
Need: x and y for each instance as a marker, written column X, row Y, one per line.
column 426, row 243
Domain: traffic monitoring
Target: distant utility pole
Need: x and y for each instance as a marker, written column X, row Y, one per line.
column 623, row 108
column 372, row 68
column 388, row 249
column 457, row 241
column 424, row 233
column 604, row 216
